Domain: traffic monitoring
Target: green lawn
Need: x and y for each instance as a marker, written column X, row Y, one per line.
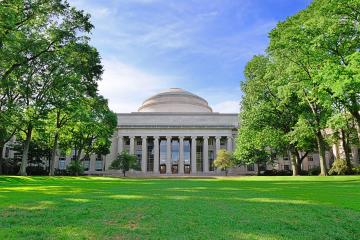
column 218, row 208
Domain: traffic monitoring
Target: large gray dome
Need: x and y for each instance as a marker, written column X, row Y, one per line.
column 175, row 100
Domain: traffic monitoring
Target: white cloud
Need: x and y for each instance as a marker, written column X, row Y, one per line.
column 127, row 87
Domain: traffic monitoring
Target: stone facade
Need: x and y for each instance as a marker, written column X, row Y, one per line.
column 189, row 141
column 176, row 133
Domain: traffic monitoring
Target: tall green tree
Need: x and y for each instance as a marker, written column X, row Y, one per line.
column 35, row 33
column 269, row 115
column 91, row 128
column 76, row 80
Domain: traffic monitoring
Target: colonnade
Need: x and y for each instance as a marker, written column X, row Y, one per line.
column 168, row 162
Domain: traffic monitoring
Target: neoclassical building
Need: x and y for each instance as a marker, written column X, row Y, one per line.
column 177, row 133
column 174, row 132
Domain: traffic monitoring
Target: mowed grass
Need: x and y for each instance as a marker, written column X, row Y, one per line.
column 218, row 208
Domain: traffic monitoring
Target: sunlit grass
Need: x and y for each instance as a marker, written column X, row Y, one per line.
column 216, row 208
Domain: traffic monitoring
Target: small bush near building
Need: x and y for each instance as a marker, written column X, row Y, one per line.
column 36, row 171
column 75, row 168
column 61, row 172
column 274, row 172
column 356, row 170
column 125, row 162
column 339, row 167
column 10, row 166
column 315, row 171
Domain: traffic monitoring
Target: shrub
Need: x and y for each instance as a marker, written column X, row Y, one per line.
column 125, row 162
column 75, row 168
column 314, row 171
column 36, row 171
column 61, row 172
column 339, row 167
column 356, row 170
column 271, row 172
column 10, row 166
column 224, row 160
column 274, row 172
column 284, row 173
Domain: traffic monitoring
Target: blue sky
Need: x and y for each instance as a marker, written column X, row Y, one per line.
column 199, row 45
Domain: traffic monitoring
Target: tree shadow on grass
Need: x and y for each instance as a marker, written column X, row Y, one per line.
column 184, row 209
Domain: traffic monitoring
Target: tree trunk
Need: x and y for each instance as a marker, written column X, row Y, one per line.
column 124, row 172
column 1, row 157
column 53, row 155
column 321, row 149
column 295, row 165
column 258, row 169
column 354, row 110
column 345, row 148
column 24, row 159
column 77, row 159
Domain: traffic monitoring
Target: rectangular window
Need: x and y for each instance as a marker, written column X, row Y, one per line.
column 211, row 159
column 262, row 167
column 199, row 155
column 7, row 150
column 187, row 152
column 251, row 167
column 287, row 167
column 62, row 163
column 310, row 158
column 98, row 165
column 286, row 157
column 163, row 151
column 138, row 153
column 150, row 156
column 86, row 165
column 223, row 143
column 175, row 154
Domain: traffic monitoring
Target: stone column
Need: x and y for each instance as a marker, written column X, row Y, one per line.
column 168, row 154
column 181, row 151
column 193, row 154
column 229, row 144
column 92, row 162
column 217, row 147
column 143, row 154
column 132, row 145
column 156, row 154
column 217, row 144
column 206, row 154
column 120, row 146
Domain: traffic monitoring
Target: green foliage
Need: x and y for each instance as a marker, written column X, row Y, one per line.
column 275, row 172
column 224, row 160
column 125, row 162
column 48, row 78
column 309, row 81
column 315, row 171
column 356, row 170
column 75, row 168
column 339, row 167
